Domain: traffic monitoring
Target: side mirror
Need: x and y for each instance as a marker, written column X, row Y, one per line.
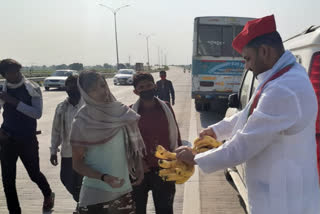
column 233, row 101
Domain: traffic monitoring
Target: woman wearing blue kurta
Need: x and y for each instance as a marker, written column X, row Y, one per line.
column 106, row 148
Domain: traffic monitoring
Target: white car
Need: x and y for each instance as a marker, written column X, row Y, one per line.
column 58, row 79
column 124, row 76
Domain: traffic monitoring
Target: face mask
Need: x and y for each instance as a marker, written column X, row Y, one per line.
column 74, row 94
column 147, row 95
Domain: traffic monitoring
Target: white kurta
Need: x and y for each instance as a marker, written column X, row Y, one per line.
column 277, row 144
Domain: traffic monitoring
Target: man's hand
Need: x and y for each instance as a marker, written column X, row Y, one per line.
column 172, row 103
column 185, row 154
column 114, row 182
column 9, row 99
column 208, row 132
column 54, row 160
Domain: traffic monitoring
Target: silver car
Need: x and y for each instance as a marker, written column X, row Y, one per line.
column 124, row 77
column 58, row 79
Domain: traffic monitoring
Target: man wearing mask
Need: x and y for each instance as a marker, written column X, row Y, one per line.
column 274, row 135
column 60, row 135
column 165, row 88
column 21, row 100
column 158, row 126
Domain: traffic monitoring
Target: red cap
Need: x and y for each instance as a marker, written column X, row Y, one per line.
column 253, row 29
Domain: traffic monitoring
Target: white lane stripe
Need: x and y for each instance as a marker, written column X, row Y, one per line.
column 191, row 198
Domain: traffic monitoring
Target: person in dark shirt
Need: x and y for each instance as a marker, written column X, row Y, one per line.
column 21, row 101
column 165, row 88
column 157, row 126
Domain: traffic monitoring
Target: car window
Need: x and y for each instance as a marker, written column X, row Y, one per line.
column 61, row 73
column 125, row 72
column 245, row 89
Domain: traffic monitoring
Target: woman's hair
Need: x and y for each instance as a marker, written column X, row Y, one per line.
column 89, row 79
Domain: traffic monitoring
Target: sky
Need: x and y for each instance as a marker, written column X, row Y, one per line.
column 52, row 32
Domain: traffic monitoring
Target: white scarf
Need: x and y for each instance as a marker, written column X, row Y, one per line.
column 172, row 125
column 32, row 88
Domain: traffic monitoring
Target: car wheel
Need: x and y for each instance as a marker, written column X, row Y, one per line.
column 130, row 82
column 46, row 88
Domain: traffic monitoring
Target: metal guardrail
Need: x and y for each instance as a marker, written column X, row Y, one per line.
column 39, row 80
column 35, row 79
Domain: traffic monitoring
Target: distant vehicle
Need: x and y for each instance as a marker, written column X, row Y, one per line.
column 306, row 48
column 124, row 77
column 58, row 79
column 216, row 67
column 139, row 66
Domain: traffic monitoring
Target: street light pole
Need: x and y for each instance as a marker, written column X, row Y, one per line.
column 114, row 11
column 116, row 36
column 147, row 38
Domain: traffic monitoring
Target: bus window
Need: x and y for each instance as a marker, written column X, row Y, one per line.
column 216, row 40
column 209, row 40
column 227, row 33
column 237, row 30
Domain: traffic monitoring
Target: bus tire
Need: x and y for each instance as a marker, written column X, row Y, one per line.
column 199, row 106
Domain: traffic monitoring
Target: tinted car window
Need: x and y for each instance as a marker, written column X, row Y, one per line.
column 245, row 89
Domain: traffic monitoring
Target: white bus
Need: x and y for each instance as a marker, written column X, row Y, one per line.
column 216, row 67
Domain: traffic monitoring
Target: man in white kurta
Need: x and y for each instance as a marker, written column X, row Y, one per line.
column 276, row 142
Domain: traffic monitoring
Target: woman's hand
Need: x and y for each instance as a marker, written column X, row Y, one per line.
column 114, row 182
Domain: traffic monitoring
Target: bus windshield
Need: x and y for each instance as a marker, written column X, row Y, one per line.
column 216, row 40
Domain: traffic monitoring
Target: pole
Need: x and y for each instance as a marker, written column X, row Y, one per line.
column 159, row 57
column 114, row 11
column 115, row 31
column 148, row 52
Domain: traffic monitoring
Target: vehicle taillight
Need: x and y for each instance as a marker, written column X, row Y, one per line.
column 314, row 75
column 315, row 79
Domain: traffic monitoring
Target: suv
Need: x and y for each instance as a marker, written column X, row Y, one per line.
column 306, row 48
column 124, row 76
column 58, row 79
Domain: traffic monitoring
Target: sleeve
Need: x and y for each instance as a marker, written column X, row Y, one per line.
column 56, row 132
column 268, row 121
column 34, row 111
column 224, row 128
column 157, row 89
column 171, row 91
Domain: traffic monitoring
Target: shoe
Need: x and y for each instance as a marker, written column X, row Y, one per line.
column 76, row 211
column 48, row 202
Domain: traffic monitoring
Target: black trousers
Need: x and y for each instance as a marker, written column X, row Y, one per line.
column 28, row 151
column 162, row 192
column 70, row 178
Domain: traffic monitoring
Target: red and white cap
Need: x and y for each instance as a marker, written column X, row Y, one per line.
column 253, row 29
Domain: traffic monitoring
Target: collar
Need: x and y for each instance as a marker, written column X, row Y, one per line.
column 287, row 58
column 14, row 86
